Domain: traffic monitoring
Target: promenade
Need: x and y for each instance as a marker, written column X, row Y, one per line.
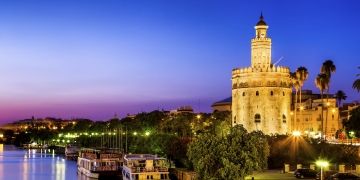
column 271, row 174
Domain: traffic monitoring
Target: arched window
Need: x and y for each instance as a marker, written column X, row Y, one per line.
column 283, row 93
column 257, row 118
column 271, row 93
column 234, row 119
column 243, row 93
column 284, row 118
column 257, row 93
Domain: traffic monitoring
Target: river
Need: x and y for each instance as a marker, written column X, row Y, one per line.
column 18, row 164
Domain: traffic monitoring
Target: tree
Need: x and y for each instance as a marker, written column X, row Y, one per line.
column 356, row 84
column 353, row 123
column 296, row 86
column 322, row 84
column 328, row 68
column 233, row 156
column 302, row 75
column 340, row 95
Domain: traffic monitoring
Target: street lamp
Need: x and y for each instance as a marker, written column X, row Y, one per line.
column 296, row 133
column 198, row 116
column 323, row 164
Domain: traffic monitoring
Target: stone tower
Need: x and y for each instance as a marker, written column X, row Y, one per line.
column 261, row 93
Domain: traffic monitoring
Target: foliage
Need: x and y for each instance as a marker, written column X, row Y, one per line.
column 340, row 95
column 233, row 156
column 356, row 84
column 353, row 123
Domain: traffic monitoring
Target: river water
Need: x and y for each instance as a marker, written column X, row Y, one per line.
column 18, row 164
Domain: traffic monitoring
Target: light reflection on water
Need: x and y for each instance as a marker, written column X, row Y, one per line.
column 18, row 164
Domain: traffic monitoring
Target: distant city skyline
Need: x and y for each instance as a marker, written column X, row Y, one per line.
column 94, row 59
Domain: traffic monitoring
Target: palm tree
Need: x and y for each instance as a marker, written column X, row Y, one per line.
column 356, row 84
column 302, row 75
column 340, row 95
column 328, row 68
column 296, row 85
column 322, row 83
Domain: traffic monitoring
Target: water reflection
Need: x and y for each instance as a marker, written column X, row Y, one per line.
column 35, row 165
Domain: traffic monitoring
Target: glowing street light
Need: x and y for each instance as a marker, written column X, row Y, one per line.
column 296, row 133
column 147, row 133
column 198, row 116
column 322, row 164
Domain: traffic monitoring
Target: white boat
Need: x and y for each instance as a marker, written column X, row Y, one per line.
column 144, row 166
column 99, row 163
column 72, row 152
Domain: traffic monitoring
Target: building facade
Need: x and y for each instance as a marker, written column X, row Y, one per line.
column 261, row 93
column 307, row 118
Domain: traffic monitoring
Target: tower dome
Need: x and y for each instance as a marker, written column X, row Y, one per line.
column 261, row 21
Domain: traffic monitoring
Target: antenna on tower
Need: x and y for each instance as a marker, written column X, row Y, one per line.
column 282, row 57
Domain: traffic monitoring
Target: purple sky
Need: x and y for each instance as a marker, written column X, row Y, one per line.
column 95, row 58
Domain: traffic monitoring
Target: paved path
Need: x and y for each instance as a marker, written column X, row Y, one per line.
column 271, row 174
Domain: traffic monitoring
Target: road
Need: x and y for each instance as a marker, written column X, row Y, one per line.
column 273, row 174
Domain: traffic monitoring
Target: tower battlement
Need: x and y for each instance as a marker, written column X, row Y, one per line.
column 275, row 69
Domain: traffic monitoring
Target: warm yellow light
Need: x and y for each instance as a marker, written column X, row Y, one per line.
column 147, row 133
column 322, row 163
column 1, row 135
column 301, row 108
column 328, row 104
column 198, row 116
column 291, row 113
column 333, row 110
column 296, row 133
column 135, row 133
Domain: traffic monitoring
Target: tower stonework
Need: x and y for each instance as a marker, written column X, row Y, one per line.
column 261, row 93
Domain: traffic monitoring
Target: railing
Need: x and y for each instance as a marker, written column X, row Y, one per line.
column 105, row 168
column 143, row 169
column 354, row 141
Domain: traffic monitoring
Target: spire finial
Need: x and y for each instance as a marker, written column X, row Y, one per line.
column 261, row 16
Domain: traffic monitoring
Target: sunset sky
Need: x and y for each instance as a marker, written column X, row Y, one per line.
column 95, row 58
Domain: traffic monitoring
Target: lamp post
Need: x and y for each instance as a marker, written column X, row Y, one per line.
column 322, row 165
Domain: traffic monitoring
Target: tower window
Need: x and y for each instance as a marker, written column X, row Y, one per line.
column 271, row 93
column 283, row 93
column 257, row 118
column 234, row 119
column 257, row 93
column 284, row 118
column 243, row 93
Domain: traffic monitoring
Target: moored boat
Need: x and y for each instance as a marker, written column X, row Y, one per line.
column 144, row 166
column 96, row 163
column 72, row 152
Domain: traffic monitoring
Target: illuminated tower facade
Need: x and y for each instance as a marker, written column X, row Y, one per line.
column 261, row 93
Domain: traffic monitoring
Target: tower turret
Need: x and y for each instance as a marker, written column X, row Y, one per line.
column 261, row 46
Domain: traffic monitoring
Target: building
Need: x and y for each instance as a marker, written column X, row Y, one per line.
column 307, row 117
column 261, row 93
column 223, row 105
column 182, row 109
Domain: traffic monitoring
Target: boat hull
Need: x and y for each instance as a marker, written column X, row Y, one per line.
column 98, row 175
